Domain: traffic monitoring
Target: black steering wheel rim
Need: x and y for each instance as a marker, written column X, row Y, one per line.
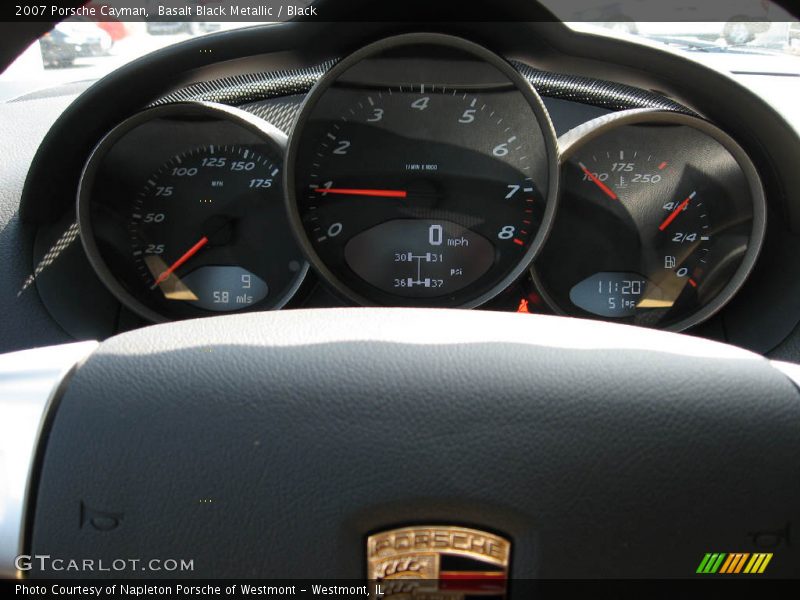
column 588, row 445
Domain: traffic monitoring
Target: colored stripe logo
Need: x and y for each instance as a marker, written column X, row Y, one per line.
column 734, row 563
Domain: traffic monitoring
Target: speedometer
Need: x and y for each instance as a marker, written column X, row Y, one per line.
column 201, row 214
column 421, row 172
column 181, row 213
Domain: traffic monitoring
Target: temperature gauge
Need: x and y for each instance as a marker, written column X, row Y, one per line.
column 622, row 172
column 661, row 220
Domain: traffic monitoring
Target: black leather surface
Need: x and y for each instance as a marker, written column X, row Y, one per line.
column 601, row 450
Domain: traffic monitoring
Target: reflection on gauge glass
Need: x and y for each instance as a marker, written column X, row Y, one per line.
column 661, row 220
column 181, row 213
column 421, row 172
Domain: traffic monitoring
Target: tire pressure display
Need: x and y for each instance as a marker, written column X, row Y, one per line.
column 419, row 258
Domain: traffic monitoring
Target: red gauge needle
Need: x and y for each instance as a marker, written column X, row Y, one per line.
column 363, row 192
column 674, row 214
column 186, row 256
column 607, row 190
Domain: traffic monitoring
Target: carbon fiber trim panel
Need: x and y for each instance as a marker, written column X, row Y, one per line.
column 241, row 89
column 607, row 94
column 276, row 96
column 281, row 112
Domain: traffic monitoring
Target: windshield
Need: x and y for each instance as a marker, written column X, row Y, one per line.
column 83, row 50
column 751, row 39
column 764, row 56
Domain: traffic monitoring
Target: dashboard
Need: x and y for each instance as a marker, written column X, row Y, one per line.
column 420, row 169
column 550, row 200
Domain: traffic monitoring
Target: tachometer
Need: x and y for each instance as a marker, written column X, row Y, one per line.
column 181, row 213
column 422, row 172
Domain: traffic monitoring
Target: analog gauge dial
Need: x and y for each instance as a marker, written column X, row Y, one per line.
column 427, row 193
column 198, row 220
column 677, row 236
column 420, row 221
column 204, row 232
column 661, row 220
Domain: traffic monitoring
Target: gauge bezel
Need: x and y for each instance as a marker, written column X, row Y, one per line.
column 427, row 39
column 270, row 134
column 575, row 139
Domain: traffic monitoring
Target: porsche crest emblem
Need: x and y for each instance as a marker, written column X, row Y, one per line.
column 451, row 562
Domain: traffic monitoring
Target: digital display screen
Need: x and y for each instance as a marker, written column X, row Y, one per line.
column 611, row 295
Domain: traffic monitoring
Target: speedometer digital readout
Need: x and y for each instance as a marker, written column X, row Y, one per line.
column 426, row 193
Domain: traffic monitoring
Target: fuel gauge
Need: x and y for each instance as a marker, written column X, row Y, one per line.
column 661, row 220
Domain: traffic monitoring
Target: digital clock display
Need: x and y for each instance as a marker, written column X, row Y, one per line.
column 608, row 294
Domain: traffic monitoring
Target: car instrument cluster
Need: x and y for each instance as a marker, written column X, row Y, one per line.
column 423, row 170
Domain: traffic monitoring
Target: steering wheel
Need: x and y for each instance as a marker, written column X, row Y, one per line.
column 272, row 445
